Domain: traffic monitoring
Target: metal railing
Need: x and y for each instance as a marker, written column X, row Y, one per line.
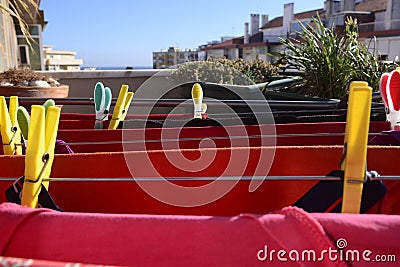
column 379, row 26
column 273, row 38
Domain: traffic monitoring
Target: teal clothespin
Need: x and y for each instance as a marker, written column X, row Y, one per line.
column 102, row 102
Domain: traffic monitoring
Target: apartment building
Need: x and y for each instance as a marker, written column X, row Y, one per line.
column 61, row 59
column 16, row 51
column 227, row 48
column 173, row 56
column 8, row 41
column 379, row 28
column 260, row 40
column 382, row 34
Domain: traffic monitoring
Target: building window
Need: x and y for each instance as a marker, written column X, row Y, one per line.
column 23, row 55
column 383, row 57
column 34, row 30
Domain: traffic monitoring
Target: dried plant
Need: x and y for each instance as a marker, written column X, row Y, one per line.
column 16, row 76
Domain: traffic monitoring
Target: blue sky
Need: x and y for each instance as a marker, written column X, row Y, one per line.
column 126, row 32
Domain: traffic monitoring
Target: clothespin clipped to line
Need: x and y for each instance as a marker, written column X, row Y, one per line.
column 200, row 108
column 102, row 102
column 389, row 87
column 355, row 146
column 9, row 129
column 39, row 152
column 23, row 119
column 348, row 125
column 121, row 107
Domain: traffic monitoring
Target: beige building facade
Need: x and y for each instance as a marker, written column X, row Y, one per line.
column 8, row 40
column 172, row 57
column 56, row 60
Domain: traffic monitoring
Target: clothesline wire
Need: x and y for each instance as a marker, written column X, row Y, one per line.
column 212, row 138
column 205, row 178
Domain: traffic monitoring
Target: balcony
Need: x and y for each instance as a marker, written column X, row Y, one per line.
column 381, row 28
column 273, row 38
column 64, row 61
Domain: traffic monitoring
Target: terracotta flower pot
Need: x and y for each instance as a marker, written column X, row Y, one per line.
column 34, row 91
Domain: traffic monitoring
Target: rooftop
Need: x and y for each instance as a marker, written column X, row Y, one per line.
column 372, row 5
column 365, row 6
column 49, row 50
column 278, row 21
column 227, row 44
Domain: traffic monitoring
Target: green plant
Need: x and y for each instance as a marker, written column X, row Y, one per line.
column 225, row 71
column 257, row 70
column 329, row 61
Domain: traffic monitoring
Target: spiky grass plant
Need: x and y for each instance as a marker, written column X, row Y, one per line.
column 330, row 61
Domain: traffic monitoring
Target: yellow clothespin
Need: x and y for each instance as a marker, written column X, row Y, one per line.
column 9, row 130
column 121, row 107
column 13, row 116
column 39, row 152
column 348, row 125
column 197, row 96
column 355, row 146
column 128, row 101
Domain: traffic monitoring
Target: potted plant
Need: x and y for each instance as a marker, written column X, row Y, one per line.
column 28, row 83
column 330, row 61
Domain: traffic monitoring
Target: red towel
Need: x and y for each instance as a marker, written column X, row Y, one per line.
column 154, row 240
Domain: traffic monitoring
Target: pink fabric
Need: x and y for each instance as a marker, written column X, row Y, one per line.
column 20, row 262
column 378, row 233
column 155, row 240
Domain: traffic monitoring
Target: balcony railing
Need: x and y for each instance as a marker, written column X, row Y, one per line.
column 273, row 38
column 64, row 61
column 371, row 27
column 379, row 26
